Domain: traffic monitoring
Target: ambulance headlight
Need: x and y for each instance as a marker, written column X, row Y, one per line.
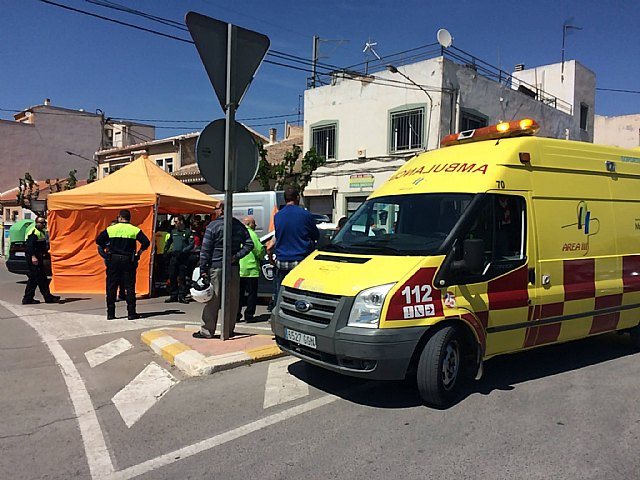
column 367, row 307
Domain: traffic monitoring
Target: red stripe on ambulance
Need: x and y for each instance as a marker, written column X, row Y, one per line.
column 544, row 333
column 608, row 321
column 631, row 273
column 509, row 291
column 579, row 279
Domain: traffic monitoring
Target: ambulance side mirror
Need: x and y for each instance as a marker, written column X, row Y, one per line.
column 472, row 258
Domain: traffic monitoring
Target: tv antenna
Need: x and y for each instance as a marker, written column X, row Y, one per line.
column 368, row 47
column 444, row 38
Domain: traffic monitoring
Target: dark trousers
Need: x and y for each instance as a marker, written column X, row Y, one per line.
column 248, row 296
column 160, row 268
column 121, row 270
column 36, row 278
column 279, row 276
column 122, row 295
column 178, row 266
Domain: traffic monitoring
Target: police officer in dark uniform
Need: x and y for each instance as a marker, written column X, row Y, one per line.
column 119, row 242
column 36, row 248
column 179, row 246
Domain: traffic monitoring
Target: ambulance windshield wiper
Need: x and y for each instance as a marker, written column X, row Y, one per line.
column 333, row 247
column 377, row 245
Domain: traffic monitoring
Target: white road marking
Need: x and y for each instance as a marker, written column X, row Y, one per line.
column 105, row 352
column 143, row 392
column 95, row 447
column 98, row 458
column 281, row 386
column 67, row 325
column 217, row 440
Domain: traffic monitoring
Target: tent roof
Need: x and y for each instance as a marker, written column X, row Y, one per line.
column 140, row 183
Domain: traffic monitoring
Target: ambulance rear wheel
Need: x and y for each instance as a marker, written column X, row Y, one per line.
column 440, row 368
column 635, row 337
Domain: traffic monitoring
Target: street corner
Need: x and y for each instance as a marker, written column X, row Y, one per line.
column 196, row 357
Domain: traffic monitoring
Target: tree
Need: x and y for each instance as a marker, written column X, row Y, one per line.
column 28, row 190
column 264, row 174
column 285, row 173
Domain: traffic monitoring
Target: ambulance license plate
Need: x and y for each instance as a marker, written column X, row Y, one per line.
column 300, row 338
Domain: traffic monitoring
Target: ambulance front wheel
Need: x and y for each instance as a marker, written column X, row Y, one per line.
column 440, row 368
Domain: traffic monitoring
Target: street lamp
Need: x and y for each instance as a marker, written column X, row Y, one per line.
column 95, row 162
column 393, row 69
column 93, row 173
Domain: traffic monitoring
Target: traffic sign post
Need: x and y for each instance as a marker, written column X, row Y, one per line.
column 237, row 52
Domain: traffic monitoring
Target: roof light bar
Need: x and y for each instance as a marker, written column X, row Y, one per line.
column 516, row 128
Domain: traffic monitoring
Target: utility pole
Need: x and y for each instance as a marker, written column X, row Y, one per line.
column 314, row 60
column 565, row 27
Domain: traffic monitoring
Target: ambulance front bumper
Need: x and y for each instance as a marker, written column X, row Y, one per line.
column 372, row 353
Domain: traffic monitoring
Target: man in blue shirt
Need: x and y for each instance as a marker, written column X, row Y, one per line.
column 296, row 234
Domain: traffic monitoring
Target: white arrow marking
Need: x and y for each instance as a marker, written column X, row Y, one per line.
column 281, row 386
column 101, row 354
column 143, row 392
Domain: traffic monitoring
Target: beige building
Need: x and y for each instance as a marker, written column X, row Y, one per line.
column 619, row 131
column 49, row 141
column 175, row 155
column 170, row 154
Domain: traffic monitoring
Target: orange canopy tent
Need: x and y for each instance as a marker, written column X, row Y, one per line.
column 77, row 216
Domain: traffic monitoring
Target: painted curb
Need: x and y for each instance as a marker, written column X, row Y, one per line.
column 194, row 364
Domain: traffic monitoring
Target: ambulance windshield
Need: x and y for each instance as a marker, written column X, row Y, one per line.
column 401, row 224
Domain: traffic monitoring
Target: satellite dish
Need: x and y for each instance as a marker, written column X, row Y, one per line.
column 444, row 38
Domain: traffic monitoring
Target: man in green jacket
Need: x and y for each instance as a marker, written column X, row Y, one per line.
column 250, row 273
column 180, row 243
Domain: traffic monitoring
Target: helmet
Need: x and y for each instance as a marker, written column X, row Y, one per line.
column 201, row 291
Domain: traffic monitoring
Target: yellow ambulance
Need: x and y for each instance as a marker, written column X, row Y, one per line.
column 496, row 243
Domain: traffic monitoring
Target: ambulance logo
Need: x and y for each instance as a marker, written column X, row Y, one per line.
column 585, row 224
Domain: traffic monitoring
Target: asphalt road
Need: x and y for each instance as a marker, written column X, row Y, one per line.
column 565, row 412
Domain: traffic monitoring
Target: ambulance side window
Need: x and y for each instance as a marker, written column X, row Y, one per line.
column 500, row 224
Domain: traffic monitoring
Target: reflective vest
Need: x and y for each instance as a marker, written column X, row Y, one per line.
column 161, row 241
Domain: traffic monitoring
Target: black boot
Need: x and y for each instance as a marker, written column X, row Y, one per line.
column 111, row 313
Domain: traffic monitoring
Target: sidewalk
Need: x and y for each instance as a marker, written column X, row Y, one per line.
column 253, row 343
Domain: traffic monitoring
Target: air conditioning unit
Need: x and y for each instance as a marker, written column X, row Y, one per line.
column 361, row 153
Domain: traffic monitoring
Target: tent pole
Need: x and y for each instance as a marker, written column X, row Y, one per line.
column 152, row 288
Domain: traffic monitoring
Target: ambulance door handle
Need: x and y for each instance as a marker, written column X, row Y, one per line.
column 532, row 276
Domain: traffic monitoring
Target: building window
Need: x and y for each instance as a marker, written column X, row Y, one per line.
column 105, row 171
column 323, row 139
column 584, row 114
column 407, row 130
column 117, row 139
column 471, row 121
column 165, row 163
column 108, row 138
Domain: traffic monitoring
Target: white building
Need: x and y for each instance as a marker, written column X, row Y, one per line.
column 369, row 125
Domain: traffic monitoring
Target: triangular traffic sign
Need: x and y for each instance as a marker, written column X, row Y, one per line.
column 248, row 49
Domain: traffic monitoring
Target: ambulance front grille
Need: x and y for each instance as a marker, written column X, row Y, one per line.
column 322, row 306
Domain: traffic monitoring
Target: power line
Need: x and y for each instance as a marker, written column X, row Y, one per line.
column 83, row 12
column 619, row 90
column 112, row 5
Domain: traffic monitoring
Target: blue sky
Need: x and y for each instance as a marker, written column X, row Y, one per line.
column 83, row 62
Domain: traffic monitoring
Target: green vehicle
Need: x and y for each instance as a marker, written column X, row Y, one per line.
column 17, row 262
